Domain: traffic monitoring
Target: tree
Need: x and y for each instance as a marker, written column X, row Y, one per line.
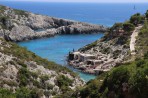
column 146, row 14
column 128, row 27
column 136, row 19
column 116, row 26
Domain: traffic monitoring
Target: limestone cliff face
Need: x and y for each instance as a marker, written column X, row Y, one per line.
column 19, row 25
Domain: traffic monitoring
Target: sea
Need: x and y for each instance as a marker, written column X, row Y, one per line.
column 57, row 48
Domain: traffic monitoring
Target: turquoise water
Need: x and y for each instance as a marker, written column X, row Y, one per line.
column 56, row 48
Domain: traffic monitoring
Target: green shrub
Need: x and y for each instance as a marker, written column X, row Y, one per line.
column 20, row 12
column 116, row 26
column 136, row 19
column 23, row 93
column 63, row 81
column 116, row 78
column 23, row 76
column 4, row 93
column 49, row 86
column 139, row 84
column 3, row 21
column 146, row 14
column 128, row 27
column 44, row 78
column 146, row 55
column 140, row 63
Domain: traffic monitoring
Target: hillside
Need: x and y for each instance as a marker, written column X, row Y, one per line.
column 128, row 79
column 18, row 25
column 25, row 75
column 111, row 50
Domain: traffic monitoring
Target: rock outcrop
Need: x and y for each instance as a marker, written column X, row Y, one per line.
column 104, row 54
column 20, row 68
column 21, row 25
column 102, row 57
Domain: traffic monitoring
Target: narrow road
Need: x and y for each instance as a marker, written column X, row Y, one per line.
column 133, row 39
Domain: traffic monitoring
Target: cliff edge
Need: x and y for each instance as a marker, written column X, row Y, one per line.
column 18, row 25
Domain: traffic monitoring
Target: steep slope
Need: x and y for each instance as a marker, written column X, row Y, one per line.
column 18, row 25
column 130, row 80
column 127, row 80
column 22, row 73
column 141, row 45
column 104, row 54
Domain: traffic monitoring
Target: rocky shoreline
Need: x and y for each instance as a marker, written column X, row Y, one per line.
column 104, row 54
column 18, row 25
column 95, row 60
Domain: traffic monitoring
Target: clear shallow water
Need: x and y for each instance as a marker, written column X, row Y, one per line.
column 56, row 48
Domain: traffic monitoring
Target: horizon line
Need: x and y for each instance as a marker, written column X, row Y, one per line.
column 71, row 1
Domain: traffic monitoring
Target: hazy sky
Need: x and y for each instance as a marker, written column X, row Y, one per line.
column 126, row 1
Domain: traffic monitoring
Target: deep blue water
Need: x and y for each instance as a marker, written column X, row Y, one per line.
column 105, row 14
column 56, row 48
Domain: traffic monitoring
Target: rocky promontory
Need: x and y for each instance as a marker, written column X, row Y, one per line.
column 18, row 25
column 111, row 50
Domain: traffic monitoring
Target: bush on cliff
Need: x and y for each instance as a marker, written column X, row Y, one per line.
column 136, row 19
column 128, row 80
column 128, row 27
column 3, row 22
column 146, row 14
column 64, row 82
column 142, row 41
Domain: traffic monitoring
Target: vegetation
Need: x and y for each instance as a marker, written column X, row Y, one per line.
column 128, row 80
column 136, row 19
column 142, row 40
column 4, row 93
column 22, row 92
column 146, row 14
column 2, row 8
column 119, row 33
column 21, row 12
column 128, row 27
column 3, row 22
column 24, row 55
column 64, row 82
column 89, row 46
column 25, row 77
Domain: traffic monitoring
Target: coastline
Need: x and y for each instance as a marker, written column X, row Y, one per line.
column 20, row 25
column 57, row 47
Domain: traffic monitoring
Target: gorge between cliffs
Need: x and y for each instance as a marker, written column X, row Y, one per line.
column 42, row 56
column 25, row 27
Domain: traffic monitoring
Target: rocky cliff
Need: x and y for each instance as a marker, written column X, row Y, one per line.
column 129, row 78
column 25, row 74
column 111, row 50
column 18, row 25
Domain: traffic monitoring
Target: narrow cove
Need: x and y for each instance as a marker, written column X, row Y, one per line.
column 56, row 48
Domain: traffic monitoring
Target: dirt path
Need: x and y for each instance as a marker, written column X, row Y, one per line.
column 133, row 39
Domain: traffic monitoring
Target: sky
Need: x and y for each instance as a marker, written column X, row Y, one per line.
column 108, row 1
